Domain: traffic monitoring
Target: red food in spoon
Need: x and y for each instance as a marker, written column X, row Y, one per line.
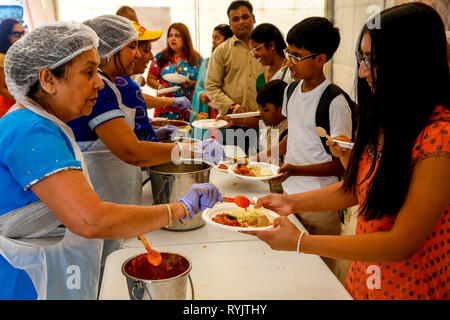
column 153, row 256
column 240, row 201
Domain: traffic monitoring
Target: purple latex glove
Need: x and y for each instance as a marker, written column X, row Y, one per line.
column 182, row 102
column 199, row 197
column 165, row 132
column 213, row 151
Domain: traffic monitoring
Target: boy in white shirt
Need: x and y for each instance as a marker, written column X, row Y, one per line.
column 308, row 164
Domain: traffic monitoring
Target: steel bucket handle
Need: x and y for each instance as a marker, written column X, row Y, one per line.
column 145, row 287
column 166, row 178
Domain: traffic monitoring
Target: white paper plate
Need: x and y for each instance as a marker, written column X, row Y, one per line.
column 174, row 77
column 208, row 214
column 343, row 144
column 209, row 124
column 243, row 115
column 227, row 163
column 270, row 166
column 167, row 90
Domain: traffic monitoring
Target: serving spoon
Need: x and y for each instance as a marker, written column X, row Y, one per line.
column 153, row 256
column 323, row 133
column 240, row 201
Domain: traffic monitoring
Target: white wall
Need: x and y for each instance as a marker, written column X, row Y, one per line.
column 349, row 17
column 283, row 13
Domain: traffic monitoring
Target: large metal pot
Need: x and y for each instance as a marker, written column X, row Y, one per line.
column 172, row 181
column 167, row 288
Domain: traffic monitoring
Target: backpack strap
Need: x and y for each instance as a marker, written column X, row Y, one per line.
column 323, row 109
column 290, row 90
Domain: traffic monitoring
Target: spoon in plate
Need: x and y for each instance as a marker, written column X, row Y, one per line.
column 323, row 133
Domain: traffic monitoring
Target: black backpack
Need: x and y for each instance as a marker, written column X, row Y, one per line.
column 323, row 108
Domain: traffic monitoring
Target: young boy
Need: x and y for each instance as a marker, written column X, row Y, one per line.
column 308, row 165
column 270, row 100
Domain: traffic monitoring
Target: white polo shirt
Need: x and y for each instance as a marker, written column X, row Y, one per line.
column 304, row 146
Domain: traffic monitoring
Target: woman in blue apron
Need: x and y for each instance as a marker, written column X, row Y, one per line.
column 44, row 181
column 113, row 153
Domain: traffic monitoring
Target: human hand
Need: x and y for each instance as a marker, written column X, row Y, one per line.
column 227, row 119
column 165, row 132
column 237, row 108
column 336, row 150
column 189, row 84
column 199, row 197
column 212, row 151
column 182, row 102
column 283, row 236
column 279, row 203
column 286, row 171
column 204, row 98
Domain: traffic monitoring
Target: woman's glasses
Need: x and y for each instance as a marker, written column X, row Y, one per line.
column 294, row 59
column 17, row 34
column 255, row 49
column 360, row 58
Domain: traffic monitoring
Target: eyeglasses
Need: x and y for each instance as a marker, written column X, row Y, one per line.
column 294, row 59
column 17, row 34
column 254, row 50
column 360, row 58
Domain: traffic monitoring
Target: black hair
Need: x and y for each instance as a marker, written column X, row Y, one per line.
column 409, row 84
column 6, row 26
column 315, row 34
column 239, row 3
column 272, row 92
column 266, row 32
column 224, row 30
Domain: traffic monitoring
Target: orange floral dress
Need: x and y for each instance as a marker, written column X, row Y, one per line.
column 426, row 275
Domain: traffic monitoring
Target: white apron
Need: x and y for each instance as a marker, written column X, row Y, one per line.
column 113, row 179
column 60, row 268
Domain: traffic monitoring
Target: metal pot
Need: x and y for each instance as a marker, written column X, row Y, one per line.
column 172, row 288
column 172, row 181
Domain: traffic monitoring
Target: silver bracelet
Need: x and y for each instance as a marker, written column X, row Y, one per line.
column 299, row 241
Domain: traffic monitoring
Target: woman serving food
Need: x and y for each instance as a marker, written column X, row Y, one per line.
column 52, row 74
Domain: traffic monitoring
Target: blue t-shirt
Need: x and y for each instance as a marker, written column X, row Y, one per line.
column 132, row 97
column 106, row 108
column 32, row 148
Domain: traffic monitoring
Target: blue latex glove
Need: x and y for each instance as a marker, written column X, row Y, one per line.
column 213, row 151
column 199, row 197
column 182, row 102
column 165, row 132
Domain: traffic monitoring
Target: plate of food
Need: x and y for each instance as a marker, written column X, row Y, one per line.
column 229, row 216
column 167, row 90
column 209, row 124
column 343, row 142
column 223, row 166
column 254, row 171
column 174, row 77
column 160, row 122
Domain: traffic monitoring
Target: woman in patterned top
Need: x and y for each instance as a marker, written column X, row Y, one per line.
column 399, row 168
column 11, row 30
column 179, row 57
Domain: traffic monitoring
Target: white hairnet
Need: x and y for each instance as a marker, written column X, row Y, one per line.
column 48, row 46
column 115, row 32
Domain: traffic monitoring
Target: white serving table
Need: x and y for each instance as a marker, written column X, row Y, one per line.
column 230, row 265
